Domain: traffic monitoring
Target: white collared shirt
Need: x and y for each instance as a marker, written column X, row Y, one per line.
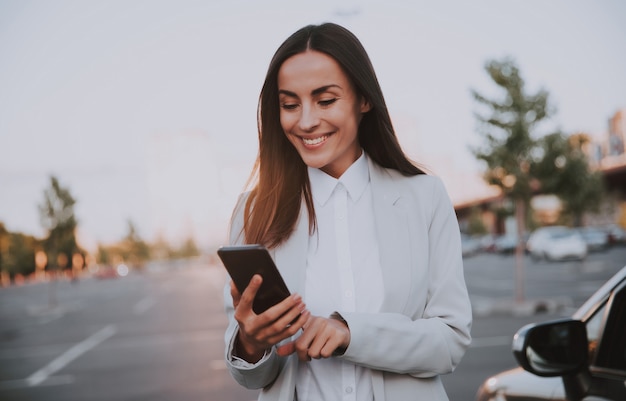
column 343, row 273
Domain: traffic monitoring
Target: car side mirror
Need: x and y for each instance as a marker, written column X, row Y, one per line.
column 555, row 348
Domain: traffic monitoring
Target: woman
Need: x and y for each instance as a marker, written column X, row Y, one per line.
column 370, row 241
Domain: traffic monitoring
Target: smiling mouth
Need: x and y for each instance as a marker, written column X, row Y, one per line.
column 314, row 141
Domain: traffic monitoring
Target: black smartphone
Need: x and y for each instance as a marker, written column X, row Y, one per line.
column 244, row 261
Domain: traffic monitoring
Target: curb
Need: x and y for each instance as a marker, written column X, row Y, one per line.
column 511, row 307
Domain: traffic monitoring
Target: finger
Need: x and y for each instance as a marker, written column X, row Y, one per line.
column 321, row 338
column 293, row 346
column 285, row 311
column 275, row 324
column 289, row 330
column 338, row 339
column 294, row 316
column 247, row 298
column 327, row 350
column 244, row 314
column 303, row 343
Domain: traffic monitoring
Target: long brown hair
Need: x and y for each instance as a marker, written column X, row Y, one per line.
column 282, row 181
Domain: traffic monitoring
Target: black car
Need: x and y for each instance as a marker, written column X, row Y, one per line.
column 582, row 358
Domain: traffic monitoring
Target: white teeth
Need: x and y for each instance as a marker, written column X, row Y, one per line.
column 314, row 141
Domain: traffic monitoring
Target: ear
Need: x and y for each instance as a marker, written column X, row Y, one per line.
column 365, row 106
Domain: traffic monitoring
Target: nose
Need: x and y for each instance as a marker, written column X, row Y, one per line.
column 309, row 119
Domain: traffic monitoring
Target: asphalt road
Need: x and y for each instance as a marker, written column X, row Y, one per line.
column 157, row 335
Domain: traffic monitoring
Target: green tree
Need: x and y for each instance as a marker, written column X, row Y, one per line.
column 4, row 247
column 104, row 254
column 58, row 219
column 136, row 250
column 17, row 253
column 565, row 172
column 21, row 255
column 508, row 127
column 188, row 249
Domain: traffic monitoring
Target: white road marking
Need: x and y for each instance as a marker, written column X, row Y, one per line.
column 52, row 381
column 149, row 340
column 143, row 305
column 68, row 356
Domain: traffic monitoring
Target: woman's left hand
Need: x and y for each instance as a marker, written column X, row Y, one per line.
column 320, row 338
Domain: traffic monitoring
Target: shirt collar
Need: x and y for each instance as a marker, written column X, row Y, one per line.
column 354, row 179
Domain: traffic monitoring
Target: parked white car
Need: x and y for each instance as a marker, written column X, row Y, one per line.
column 556, row 243
column 506, row 243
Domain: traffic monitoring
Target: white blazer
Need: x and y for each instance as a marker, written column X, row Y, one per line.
column 423, row 328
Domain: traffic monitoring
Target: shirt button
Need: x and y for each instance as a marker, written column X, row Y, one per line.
column 349, row 390
column 349, row 294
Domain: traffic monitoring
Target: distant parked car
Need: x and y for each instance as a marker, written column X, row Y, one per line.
column 470, row 245
column 106, row 271
column 617, row 235
column 506, row 243
column 595, row 238
column 582, row 358
column 556, row 243
column 488, row 242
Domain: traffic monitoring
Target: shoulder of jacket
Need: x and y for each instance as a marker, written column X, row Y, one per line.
column 420, row 180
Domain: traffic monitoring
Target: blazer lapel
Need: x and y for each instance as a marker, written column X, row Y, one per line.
column 393, row 233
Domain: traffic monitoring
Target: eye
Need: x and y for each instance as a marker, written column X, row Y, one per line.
column 289, row 106
column 327, row 102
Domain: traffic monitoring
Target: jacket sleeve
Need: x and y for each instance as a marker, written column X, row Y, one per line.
column 264, row 372
column 433, row 340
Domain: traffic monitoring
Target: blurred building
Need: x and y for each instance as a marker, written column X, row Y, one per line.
column 617, row 134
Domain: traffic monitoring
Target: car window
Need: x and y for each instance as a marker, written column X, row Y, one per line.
column 561, row 234
column 612, row 351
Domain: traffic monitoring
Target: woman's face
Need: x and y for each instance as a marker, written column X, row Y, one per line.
column 320, row 111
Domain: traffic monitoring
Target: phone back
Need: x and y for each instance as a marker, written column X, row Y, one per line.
column 244, row 261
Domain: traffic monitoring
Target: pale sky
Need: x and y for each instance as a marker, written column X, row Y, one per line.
column 146, row 109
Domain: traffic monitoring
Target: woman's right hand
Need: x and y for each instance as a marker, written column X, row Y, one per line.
column 258, row 333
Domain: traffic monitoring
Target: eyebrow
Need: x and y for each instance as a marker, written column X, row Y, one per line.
column 314, row 92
